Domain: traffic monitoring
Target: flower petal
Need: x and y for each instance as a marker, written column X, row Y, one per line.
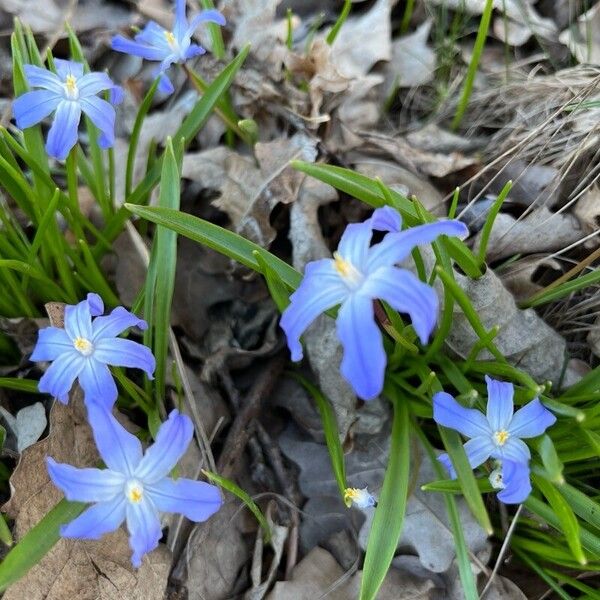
column 78, row 317
column 193, row 51
column 355, row 242
column 42, row 78
column 364, row 359
column 94, row 83
column 517, row 486
column 405, row 292
column 96, row 521
column 97, row 383
column 478, row 450
column 63, row 133
column 320, row 290
column 172, row 440
column 61, row 374
column 500, row 403
column 115, row 324
column 116, row 95
column 212, row 16
column 447, row 463
column 135, row 48
column 514, row 449
column 85, row 485
column 120, row 352
column 164, row 85
column 32, row 107
column 155, row 35
column 95, row 303
column 180, row 23
column 51, row 343
column 386, row 219
column 64, row 68
column 468, row 421
column 395, row 247
column 102, row 115
column 119, row 449
column 196, row 500
column 143, row 524
column 531, row 420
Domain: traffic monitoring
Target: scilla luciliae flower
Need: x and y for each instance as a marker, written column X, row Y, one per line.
column 67, row 93
column 84, row 349
column 498, row 434
column 135, row 487
column 357, row 275
column 168, row 47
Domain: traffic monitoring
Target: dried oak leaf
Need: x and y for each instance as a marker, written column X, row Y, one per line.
column 86, row 570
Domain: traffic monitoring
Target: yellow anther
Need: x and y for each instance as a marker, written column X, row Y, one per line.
column 84, row 346
column 350, row 495
column 343, row 267
column 135, row 495
column 71, row 83
column 501, row 437
column 170, row 38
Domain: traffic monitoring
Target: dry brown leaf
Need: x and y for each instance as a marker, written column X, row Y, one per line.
column 530, row 234
column 86, row 570
column 518, row 276
column 249, row 193
column 587, row 210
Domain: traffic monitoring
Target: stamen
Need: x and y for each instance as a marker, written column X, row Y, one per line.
column 134, row 491
column 170, row 38
column 71, row 87
column 501, row 437
column 347, row 271
column 84, row 346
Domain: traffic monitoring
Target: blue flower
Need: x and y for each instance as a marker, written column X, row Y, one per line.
column 357, row 275
column 498, row 434
column 168, row 47
column 135, row 487
column 84, row 348
column 67, row 93
column 512, row 479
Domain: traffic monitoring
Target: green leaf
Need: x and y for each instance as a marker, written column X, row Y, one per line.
column 452, row 486
column 391, row 506
column 34, row 545
column 231, row 487
column 550, row 458
column 278, row 290
column 222, row 240
column 330, row 429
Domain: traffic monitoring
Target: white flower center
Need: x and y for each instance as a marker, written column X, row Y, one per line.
column 347, row 271
column 496, row 479
column 359, row 497
column 84, row 346
column 134, row 491
column 501, row 437
column 71, row 89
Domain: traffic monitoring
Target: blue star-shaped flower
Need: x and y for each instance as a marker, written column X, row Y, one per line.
column 135, row 487
column 357, row 275
column 84, row 348
column 168, row 47
column 67, row 93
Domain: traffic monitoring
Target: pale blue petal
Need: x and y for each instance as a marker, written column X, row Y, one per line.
column 164, row 85
column 119, row 449
column 468, row 421
column 405, row 292
column 211, row 16
column 154, row 35
column 143, row 524
column 193, row 51
column 97, row 383
column 364, row 359
column 447, row 463
column 63, row 133
column 517, row 486
column 64, row 68
column 321, row 289
column 514, row 449
column 85, row 485
column 120, row 352
column 531, row 420
column 115, row 324
column 42, row 78
column 32, row 107
column 180, row 17
column 94, row 83
column 386, row 219
column 395, row 247
column 117, row 95
column 478, row 450
column 354, row 245
column 196, row 500
column 135, row 48
column 102, row 115
column 95, row 303
column 97, row 520
column 52, row 342
column 500, row 403
column 61, row 374
column 78, row 317
column 172, row 440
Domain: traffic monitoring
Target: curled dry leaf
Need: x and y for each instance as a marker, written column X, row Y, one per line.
column 85, row 570
column 530, row 234
column 27, row 426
